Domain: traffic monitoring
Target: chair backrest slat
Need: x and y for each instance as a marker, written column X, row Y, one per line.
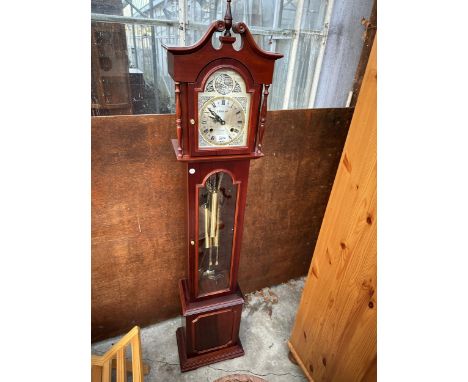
column 105, row 362
column 96, row 373
column 137, row 365
column 121, row 372
column 106, row 371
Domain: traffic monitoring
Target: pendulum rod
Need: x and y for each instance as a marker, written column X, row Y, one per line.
column 212, row 212
column 207, row 225
column 213, row 219
column 216, row 239
column 218, row 212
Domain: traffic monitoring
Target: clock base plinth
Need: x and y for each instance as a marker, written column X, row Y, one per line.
column 211, row 328
column 188, row 363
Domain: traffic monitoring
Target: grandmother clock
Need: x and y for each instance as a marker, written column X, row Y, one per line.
column 221, row 104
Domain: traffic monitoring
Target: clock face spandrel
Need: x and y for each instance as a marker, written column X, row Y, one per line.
column 223, row 111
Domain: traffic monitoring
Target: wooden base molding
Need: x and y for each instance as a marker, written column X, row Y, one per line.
column 194, row 362
column 211, row 329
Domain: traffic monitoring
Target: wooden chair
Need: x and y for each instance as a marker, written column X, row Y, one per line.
column 101, row 366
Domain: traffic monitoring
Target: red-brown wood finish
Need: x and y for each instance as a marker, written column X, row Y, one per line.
column 212, row 320
column 263, row 112
column 191, row 67
column 228, row 19
column 188, row 363
column 252, row 88
column 178, row 120
column 239, row 171
column 211, row 330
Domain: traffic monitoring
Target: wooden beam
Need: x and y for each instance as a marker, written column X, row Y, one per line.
column 334, row 335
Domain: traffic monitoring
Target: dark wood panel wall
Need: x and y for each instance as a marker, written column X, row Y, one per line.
column 138, row 210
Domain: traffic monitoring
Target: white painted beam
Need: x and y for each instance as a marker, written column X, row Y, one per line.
column 182, row 22
column 318, row 65
column 293, row 53
column 276, row 23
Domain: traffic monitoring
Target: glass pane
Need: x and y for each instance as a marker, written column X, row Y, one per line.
column 129, row 70
column 288, row 13
column 275, row 101
column 217, row 209
column 313, row 15
column 129, row 65
column 309, row 45
column 110, row 93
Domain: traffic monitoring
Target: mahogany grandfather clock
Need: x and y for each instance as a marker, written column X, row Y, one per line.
column 221, row 105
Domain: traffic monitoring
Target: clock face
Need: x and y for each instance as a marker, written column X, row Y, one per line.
column 223, row 111
column 222, row 121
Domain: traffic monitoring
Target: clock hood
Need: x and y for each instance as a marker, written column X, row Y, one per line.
column 185, row 63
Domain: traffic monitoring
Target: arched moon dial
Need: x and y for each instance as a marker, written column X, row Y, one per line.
column 221, row 120
column 224, row 84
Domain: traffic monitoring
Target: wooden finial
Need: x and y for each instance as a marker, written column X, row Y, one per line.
column 228, row 19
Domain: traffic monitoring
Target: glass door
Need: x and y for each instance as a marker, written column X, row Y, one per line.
column 217, row 201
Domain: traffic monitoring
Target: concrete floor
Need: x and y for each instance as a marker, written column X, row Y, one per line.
column 267, row 320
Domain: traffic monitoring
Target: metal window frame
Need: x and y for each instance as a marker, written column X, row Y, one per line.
column 275, row 33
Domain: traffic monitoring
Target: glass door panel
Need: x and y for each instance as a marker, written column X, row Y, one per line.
column 216, row 216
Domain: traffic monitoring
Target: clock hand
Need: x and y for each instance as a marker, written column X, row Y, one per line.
column 213, row 113
column 217, row 117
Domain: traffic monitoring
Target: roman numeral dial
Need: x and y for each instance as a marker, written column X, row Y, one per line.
column 221, row 121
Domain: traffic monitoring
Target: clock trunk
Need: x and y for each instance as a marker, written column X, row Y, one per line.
column 216, row 203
